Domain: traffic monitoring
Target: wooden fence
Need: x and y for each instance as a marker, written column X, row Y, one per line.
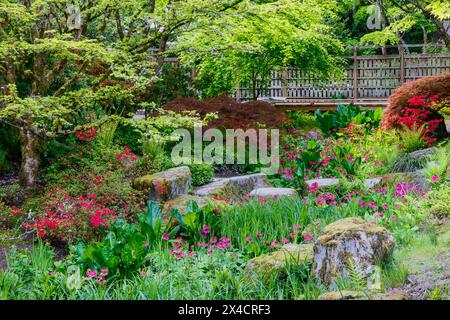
column 373, row 77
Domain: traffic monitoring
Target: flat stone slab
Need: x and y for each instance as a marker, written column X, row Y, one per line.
column 233, row 187
column 370, row 183
column 274, row 192
column 165, row 185
column 322, row 184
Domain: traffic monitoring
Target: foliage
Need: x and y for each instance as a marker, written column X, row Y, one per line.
column 412, row 139
column 438, row 202
column 231, row 114
column 259, row 37
column 126, row 247
column 301, row 121
column 4, row 165
column 201, row 173
column 330, row 122
column 406, row 162
column 399, row 19
column 198, row 224
column 412, row 104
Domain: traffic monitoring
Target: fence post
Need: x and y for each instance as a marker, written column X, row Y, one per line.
column 238, row 93
column 284, row 82
column 355, row 73
column 402, row 65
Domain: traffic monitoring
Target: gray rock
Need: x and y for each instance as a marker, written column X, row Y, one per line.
column 350, row 240
column 370, row 183
column 233, row 187
column 419, row 154
column 322, row 184
column 274, row 192
column 166, row 185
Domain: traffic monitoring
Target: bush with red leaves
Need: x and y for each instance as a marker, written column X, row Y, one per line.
column 419, row 97
column 232, row 115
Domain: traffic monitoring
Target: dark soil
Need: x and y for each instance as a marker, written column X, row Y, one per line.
column 11, row 176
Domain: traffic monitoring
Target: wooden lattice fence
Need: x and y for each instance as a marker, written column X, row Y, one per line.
column 366, row 77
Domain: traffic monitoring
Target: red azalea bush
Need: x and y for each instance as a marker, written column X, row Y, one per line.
column 86, row 189
column 413, row 105
column 232, row 115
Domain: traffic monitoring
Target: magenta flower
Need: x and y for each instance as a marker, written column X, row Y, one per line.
column 176, row 244
column 313, row 187
column 274, row 244
column 435, row 179
column 308, row 237
column 249, row 239
column 91, row 273
column 166, row 236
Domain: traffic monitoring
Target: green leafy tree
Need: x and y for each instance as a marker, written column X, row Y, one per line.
column 51, row 74
column 256, row 37
column 398, row 17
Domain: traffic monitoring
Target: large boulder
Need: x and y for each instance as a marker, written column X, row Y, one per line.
column 233, row 187
column 350, row 240
column 277, row 262
column 166, row 185
column 274, row 192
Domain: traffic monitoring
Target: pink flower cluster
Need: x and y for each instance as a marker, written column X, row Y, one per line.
column 100, row 278
column 404, row 188
column 326, row 199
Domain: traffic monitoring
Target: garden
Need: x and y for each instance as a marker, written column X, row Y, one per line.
column 94, row 206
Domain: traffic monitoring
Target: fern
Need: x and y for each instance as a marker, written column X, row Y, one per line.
column 357, row 276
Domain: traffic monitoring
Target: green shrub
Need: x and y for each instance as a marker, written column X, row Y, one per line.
column 406, row 163
column 439, row 202
column 412, row 139
column 301, row 120
column 201, row 173
column 4, row 164
column 11, row 194
column 126, row 246
column 332, row 121
column 128, row 135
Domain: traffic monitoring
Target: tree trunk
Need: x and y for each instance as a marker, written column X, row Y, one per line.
column 30, row 146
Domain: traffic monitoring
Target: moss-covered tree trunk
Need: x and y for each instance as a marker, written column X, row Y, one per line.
column 30, row 145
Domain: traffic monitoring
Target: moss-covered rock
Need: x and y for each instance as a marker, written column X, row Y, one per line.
column 350, row 240
column 166, row 185
column 359, row 295
column 180, row 203
column 234, row 187
column 278, row 261
column 343, row 295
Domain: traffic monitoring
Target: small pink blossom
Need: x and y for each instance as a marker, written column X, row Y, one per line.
column 435, row 179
